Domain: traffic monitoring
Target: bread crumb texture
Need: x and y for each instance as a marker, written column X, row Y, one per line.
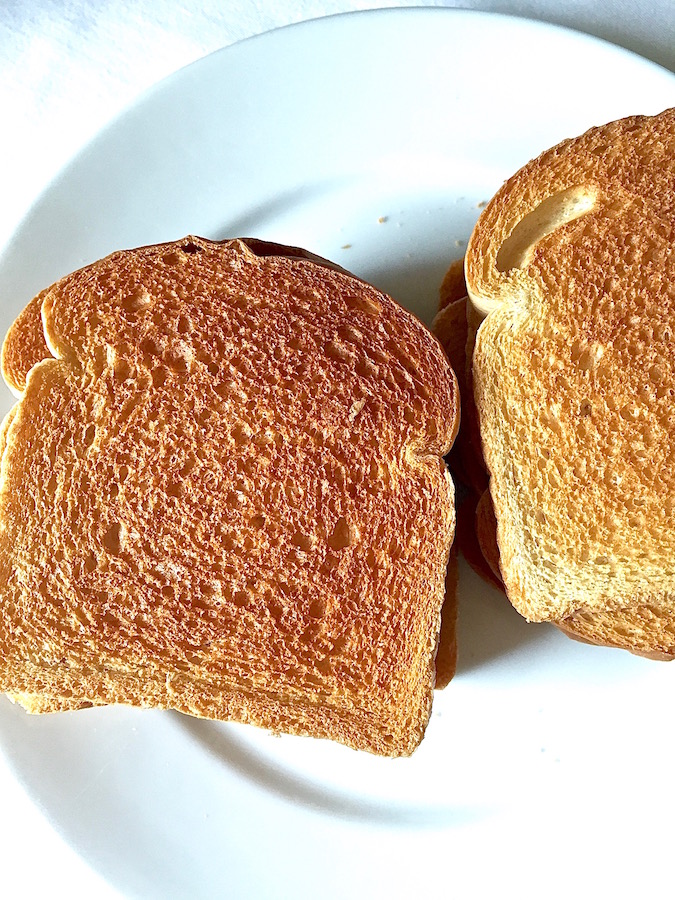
column 574, row 376
column 223, row 492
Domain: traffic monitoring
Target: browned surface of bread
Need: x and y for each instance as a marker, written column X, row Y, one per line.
column 453, row 286
column 24, row 346
column 572, row 262
column 446, row 655
column 450, row 327
column 485, row 524
column 476, row 527
column 226, row 496
column 455, row 327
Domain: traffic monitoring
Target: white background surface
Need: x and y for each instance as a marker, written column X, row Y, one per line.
column 66, row 68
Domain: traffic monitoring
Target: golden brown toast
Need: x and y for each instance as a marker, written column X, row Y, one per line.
column 633, row 628
column 25, row 345
column 476, row 527
column 223, row 493
column 571, row 267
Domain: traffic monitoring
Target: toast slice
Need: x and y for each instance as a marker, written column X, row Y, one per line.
column 571, row 268
column 223, row 493
column 25, row 345
column 476, row 527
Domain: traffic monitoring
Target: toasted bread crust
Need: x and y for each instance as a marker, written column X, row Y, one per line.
column 453, row 286
column 573, row 372
column 24, row 346
column 235, row 467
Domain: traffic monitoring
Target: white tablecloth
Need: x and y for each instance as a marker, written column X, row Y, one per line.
column 66, row 68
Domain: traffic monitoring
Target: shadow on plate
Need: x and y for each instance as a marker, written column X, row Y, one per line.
column 240, row 756
column 256, row 222
column 412, row 282
column 488, row 626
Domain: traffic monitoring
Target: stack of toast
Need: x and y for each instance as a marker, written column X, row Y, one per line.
column 223, row 492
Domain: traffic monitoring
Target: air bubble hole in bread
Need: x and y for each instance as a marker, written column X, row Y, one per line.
column 553, row 212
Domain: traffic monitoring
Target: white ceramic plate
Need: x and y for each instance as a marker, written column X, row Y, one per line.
column 371, row 139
